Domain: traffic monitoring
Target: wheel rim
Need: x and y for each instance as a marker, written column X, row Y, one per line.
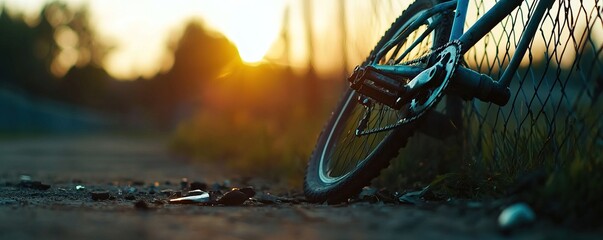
column 343, row 151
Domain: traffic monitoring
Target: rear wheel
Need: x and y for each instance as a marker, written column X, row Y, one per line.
column 342, row 162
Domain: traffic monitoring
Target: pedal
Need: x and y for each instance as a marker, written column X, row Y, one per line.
column 382, row 87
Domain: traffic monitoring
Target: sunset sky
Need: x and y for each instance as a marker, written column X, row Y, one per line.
column 140, row 29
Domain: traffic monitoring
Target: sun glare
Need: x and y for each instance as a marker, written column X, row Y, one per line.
column 252, row 26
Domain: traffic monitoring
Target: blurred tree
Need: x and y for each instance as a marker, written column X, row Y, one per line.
column 200, row 55
column 59, row 56
column 21, row 61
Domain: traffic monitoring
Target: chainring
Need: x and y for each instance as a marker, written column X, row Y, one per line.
column 428, row 97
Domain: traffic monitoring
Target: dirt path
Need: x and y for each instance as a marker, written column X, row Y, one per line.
column 120, row 164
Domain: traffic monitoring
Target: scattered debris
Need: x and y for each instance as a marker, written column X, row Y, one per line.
column 233, row 198
column 516, row 215
column 130, row 190
column 100, row 195
column 414, row 197
column 201, row 198
column 266, row 198
column 386, row 196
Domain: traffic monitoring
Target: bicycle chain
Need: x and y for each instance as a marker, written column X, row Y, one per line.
column 403, row 121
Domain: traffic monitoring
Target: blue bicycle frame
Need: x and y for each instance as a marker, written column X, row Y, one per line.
column 471, row 82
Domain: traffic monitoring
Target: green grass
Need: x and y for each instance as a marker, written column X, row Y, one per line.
column 555, row 166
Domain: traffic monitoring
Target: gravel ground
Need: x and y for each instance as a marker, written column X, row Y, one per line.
column 116, row 187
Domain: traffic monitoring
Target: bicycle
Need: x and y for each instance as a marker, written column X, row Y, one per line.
column 416, row 62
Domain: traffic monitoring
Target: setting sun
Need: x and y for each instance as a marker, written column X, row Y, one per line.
column 251, row 25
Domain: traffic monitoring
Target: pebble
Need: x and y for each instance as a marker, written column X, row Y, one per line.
column 516, row 215
column 233, row 198
column 249, row 191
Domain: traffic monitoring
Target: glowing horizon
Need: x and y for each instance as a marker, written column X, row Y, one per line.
column 141, row 31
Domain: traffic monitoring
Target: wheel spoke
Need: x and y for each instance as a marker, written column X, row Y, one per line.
column 347, row 150
column 420, row 39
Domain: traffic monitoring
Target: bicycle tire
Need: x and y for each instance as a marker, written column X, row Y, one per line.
column 317, row 187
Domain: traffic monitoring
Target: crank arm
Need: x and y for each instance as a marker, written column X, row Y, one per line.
column 465, row 82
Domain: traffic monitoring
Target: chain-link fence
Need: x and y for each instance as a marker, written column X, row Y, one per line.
column 555, row 114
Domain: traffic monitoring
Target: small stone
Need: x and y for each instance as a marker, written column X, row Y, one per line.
column 414, row 197
column 79, row 187
column 267, row 198
column 233, row 198
column 249, row 191
column 100, row 195
column 130, row 190
column 516, row 215
column 386, row 196
column 198, row 186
